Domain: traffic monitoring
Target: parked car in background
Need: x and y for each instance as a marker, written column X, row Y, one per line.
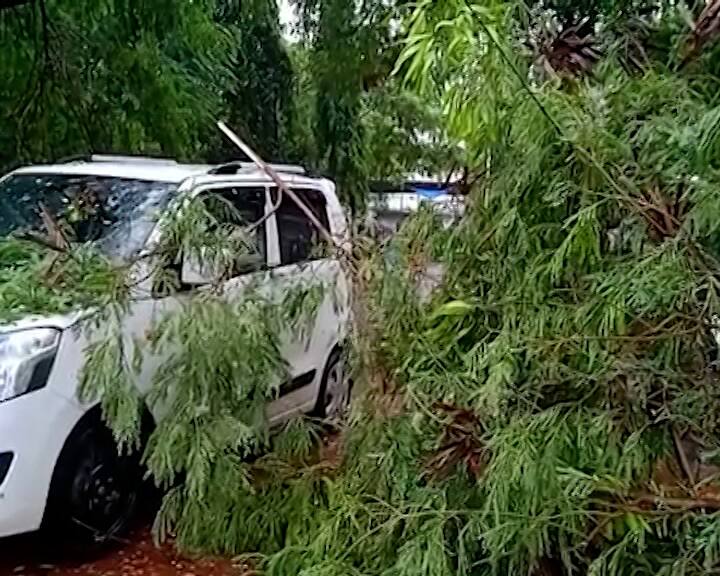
column 59, row 466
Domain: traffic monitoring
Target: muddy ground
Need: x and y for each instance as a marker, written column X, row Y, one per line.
column 138, row 556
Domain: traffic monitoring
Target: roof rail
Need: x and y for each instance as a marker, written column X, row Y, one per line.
column 131, row 159
column 75, row 158
column 117, row 158
column 235, row 167
column 85, row 158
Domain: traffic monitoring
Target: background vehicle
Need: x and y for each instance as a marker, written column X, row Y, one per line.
column 58, row 463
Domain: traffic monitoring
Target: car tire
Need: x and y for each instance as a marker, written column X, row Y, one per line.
column 95, row 491
column 334, row 394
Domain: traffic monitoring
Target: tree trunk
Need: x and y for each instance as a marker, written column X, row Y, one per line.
column 706, row 29
column 12, row 3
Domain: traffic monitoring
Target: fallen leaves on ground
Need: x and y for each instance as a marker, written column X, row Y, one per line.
column 139, row 557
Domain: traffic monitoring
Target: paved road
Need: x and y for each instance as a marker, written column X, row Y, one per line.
column 430, row 280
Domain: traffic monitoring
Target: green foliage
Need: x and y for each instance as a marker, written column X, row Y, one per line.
column 216, row 353
column 574, row 323
column 260, row 100
column 112, row 365
column 365, row 126
column 527, row 410
column 34, row 281
column 573, row 327
column 336, row 68
column 110, row 76
column 404, row 135
column 215, row 404
column 153, row 77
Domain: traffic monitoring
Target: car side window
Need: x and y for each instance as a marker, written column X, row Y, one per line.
column 300, row 240
column 235, row 209
column 240, row 208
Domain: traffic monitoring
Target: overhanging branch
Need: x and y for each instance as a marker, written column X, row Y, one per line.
column 12, row 3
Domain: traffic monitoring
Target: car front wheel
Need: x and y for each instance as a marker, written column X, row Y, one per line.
column 96, row 489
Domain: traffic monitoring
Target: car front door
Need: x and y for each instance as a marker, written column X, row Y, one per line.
column 293, row 273
column 232, row 207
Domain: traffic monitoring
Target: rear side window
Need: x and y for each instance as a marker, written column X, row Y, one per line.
column 300, row 240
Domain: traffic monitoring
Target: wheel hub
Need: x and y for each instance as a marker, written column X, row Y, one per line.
column 103, row 495
column 102, row 498
column 335, row 392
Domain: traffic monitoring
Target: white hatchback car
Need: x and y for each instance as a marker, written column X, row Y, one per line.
column 58, row 464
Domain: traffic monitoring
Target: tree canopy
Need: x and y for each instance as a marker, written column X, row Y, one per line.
column 552, row 407
column 135, row 77
column 109, row 76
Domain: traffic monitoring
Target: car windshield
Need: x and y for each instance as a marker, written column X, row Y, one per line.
column 115, row 214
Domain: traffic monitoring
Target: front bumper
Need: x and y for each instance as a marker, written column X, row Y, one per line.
column 33, row 428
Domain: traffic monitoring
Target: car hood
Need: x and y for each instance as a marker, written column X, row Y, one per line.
column 61, row 322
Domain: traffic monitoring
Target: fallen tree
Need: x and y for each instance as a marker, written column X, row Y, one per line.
column 555, row 409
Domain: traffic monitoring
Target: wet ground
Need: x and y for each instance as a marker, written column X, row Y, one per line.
column 137, row 556
column 28, row 556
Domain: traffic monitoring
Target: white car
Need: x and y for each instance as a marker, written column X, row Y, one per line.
column 58, row 464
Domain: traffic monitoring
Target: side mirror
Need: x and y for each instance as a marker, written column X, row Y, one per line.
column 197, row 271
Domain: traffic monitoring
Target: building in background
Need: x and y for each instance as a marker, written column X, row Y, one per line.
column 389, row 204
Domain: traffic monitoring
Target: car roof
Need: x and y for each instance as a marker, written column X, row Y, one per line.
column 196, row 176
column 199, row 175
column 169, row 171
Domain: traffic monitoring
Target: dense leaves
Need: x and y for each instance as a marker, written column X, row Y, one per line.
column 126, row 76
column 260, row 100
column 576, row 319
column 567, row 368
column 119, row 76
column 214, row 356
column 33, row 281
column 150, row 78
column 553, row 408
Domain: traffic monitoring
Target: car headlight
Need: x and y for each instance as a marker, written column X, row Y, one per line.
column 26, row 358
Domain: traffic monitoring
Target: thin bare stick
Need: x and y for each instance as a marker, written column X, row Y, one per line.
column 254, row 226
column 682, row 457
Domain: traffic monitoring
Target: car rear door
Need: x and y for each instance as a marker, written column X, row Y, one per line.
column 306, row 273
